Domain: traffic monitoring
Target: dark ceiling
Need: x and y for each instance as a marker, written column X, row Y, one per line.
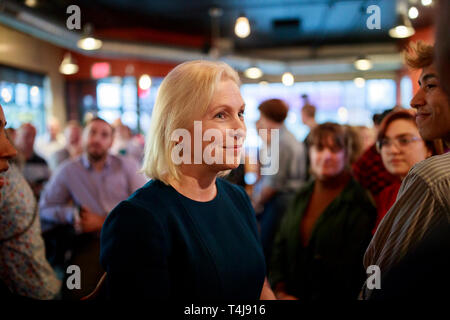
column 274, row 23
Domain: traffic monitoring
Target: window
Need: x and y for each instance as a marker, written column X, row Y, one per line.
column 22, row 97
column 406, row 89
column 336, row 101
column 120, row 98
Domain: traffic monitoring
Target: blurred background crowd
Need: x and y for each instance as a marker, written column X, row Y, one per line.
column 338, row 92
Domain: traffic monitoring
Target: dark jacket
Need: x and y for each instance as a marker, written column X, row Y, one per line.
column 159, row 244
column 331, row 266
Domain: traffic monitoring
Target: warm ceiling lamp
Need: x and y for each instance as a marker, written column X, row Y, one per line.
column 413, row 13
column 68, row 65
column 145, row 82
column 363, row 64
column 242, row 27
column 87, row 41
column 31, row 3
column 427, row 2
column 253, row 73
column 403, row 28
column 359, row 82
column 287, row 79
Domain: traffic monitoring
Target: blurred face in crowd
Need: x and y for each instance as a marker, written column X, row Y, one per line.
column 402, row 147
column 73, row 135
column 433, row 107
column 305, row 117
column 25, row 138
column 367, row 137
column 267, row 124
column 226, row 111
column 327, row 159
column 7, row 151
column 97, row 139
column 54, row 128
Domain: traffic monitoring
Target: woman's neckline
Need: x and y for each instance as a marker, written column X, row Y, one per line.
column 197, row 201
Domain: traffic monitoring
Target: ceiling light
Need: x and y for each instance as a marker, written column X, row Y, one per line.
column 145, row 82
column 253, row 73
column 287, row 79
column 343, row 114
column 68, row 65
column 34, row 91
column 427, row 2
column 6, row 95
column 31, row 3
column 413, row 13
column 242, row 27
column 363, row 64
column 87, row 41
column 359, row 82
column 403, row 28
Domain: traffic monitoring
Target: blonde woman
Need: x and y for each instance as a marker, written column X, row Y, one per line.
column 187, row 234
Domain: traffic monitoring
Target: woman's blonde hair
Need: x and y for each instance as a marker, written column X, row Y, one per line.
column 184, row 95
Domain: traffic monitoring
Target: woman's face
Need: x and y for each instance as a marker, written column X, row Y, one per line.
column 223, row 128
column 402, row 147
column 327, row 159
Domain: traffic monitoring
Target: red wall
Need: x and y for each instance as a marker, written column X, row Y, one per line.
column 118, row 67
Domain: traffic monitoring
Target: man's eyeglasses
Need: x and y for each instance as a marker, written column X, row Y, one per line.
column 400, row 142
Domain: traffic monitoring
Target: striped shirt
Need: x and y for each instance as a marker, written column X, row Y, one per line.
column 422, row 203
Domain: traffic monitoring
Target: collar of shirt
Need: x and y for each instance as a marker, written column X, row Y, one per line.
column 87, row 164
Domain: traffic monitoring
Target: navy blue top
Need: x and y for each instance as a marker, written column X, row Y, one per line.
column 160, row 244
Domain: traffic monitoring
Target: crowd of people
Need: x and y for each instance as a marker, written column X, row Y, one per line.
column 340, row 201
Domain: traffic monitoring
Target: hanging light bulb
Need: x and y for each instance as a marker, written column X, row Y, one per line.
column 287, row 79
column 31, row 3
column 343, row 114
column 242, row 27
column 413, row 13
column 87, row 41
column 34, row 91
column 363, row 64
column 145, row 82
column 403, row 28
column 359, row 82
column 68, row 65
column 6, row 95
column 253, row 73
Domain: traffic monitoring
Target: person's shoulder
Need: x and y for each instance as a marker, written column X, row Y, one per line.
column 60, row 153
column 306, row 188
column 152, row 194
column 37, row 159
column 433, row 169
column 231, row 188
column 68, row 165
column 358, row 192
